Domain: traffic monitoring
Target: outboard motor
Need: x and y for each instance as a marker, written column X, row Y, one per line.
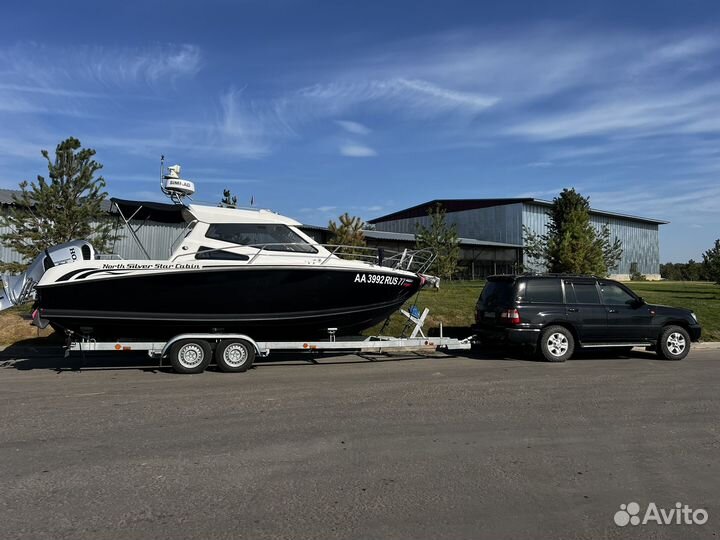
column 21, row 288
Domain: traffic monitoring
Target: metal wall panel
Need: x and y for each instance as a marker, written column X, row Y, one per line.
column 495, row 224
column 156, row 237
column 640, row 241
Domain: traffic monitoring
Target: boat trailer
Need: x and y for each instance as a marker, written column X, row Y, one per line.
column 192, row 352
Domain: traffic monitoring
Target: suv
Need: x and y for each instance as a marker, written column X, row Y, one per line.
column 556, row 314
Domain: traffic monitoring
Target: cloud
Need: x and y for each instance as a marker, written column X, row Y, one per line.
column 32, row 67
column 320, row 209
column 160, row 64
column 472, row 100
column 414, row 96
column 356, row 150
column 540, row 164
column 356, row 128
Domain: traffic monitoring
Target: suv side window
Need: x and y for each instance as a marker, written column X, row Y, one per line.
column 613, row 294
column 543, row 291
column 586, row 292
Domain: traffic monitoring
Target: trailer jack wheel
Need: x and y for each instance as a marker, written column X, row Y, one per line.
column 234, row 355
column 190, row 355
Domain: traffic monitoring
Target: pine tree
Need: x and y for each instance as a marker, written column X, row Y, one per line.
column 67, row 206
column 571, row 244
column 349, row 233
column 711, row 263
column 442, row 240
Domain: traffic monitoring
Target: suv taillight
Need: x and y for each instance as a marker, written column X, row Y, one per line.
column 511, row 315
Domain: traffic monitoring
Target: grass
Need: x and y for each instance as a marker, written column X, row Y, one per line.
column 454, row 305
column 701, row 296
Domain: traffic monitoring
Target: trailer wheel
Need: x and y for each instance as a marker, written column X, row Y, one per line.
column 190, row 355
column 234, row 355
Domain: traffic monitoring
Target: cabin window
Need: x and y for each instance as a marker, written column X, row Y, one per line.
column 270, row 236
column 219, row 254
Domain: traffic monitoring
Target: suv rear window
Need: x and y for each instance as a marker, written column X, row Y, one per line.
column 546, row 291
column 496, row 293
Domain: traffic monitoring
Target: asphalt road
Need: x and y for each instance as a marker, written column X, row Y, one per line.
column 403, row 447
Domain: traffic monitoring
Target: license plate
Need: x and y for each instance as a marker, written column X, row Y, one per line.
column 489, row 315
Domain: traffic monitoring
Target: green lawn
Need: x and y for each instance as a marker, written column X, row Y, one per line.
column 700, row 296
column 454, row 303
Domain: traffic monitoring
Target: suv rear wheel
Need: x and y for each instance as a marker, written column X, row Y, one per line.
column 557, row 344
column 674, row 343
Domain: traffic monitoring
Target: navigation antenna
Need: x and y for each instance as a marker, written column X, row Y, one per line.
column 172, row 185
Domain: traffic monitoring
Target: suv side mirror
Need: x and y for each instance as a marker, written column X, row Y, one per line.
column 639, row 301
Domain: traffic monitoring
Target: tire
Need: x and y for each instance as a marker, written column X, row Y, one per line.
column 557, row 344
column 190, row 355
column 234, row 355
column 674, row 343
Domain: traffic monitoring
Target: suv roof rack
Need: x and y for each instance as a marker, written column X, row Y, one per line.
column 559, row 274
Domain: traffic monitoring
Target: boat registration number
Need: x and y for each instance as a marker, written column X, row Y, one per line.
column 378, row 279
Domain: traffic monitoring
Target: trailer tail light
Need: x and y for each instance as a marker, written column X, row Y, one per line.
column 512, row 316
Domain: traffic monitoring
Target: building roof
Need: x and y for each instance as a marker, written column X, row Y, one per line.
column 459, row 205
column 6, row 195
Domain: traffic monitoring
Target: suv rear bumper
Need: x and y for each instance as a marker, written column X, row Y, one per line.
column 515, row 336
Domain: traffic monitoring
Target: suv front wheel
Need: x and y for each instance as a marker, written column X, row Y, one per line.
column 557, row 344
column 674, row 343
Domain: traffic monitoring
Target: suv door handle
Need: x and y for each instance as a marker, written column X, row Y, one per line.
column 573, row 309
column 612, row 310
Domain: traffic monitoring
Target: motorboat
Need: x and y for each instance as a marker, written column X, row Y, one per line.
column 243, row 270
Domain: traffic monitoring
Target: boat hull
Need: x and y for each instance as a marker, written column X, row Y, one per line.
column 262, row 302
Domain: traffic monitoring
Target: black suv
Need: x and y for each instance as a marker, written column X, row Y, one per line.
column 556, row 314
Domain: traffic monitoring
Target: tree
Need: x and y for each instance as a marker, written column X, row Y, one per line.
column 571, row 244
column 66, row 207
column 348, row 233
column 711, row 263
column 442, row 240
column 228, row 200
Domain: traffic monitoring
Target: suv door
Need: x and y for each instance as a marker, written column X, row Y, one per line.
column 585, row 310
column 628, row 319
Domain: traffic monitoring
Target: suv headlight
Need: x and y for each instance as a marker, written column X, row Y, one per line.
column 692, row 313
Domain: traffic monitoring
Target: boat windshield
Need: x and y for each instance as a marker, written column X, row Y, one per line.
column 267, row 236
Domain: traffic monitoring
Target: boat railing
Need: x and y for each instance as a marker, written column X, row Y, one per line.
column 412, row 260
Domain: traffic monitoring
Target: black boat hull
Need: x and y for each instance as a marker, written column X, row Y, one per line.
column 262, row 302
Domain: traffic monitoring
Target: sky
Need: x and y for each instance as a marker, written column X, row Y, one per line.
column 318, row 108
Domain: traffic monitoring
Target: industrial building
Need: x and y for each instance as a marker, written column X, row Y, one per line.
column 498, row 224
column 490, row 231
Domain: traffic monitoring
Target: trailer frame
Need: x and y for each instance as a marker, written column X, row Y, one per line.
column 162, row 349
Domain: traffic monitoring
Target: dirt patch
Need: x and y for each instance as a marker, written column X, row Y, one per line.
column 15, row 327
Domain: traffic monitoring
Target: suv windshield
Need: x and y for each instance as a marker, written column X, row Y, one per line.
column 496, row 293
